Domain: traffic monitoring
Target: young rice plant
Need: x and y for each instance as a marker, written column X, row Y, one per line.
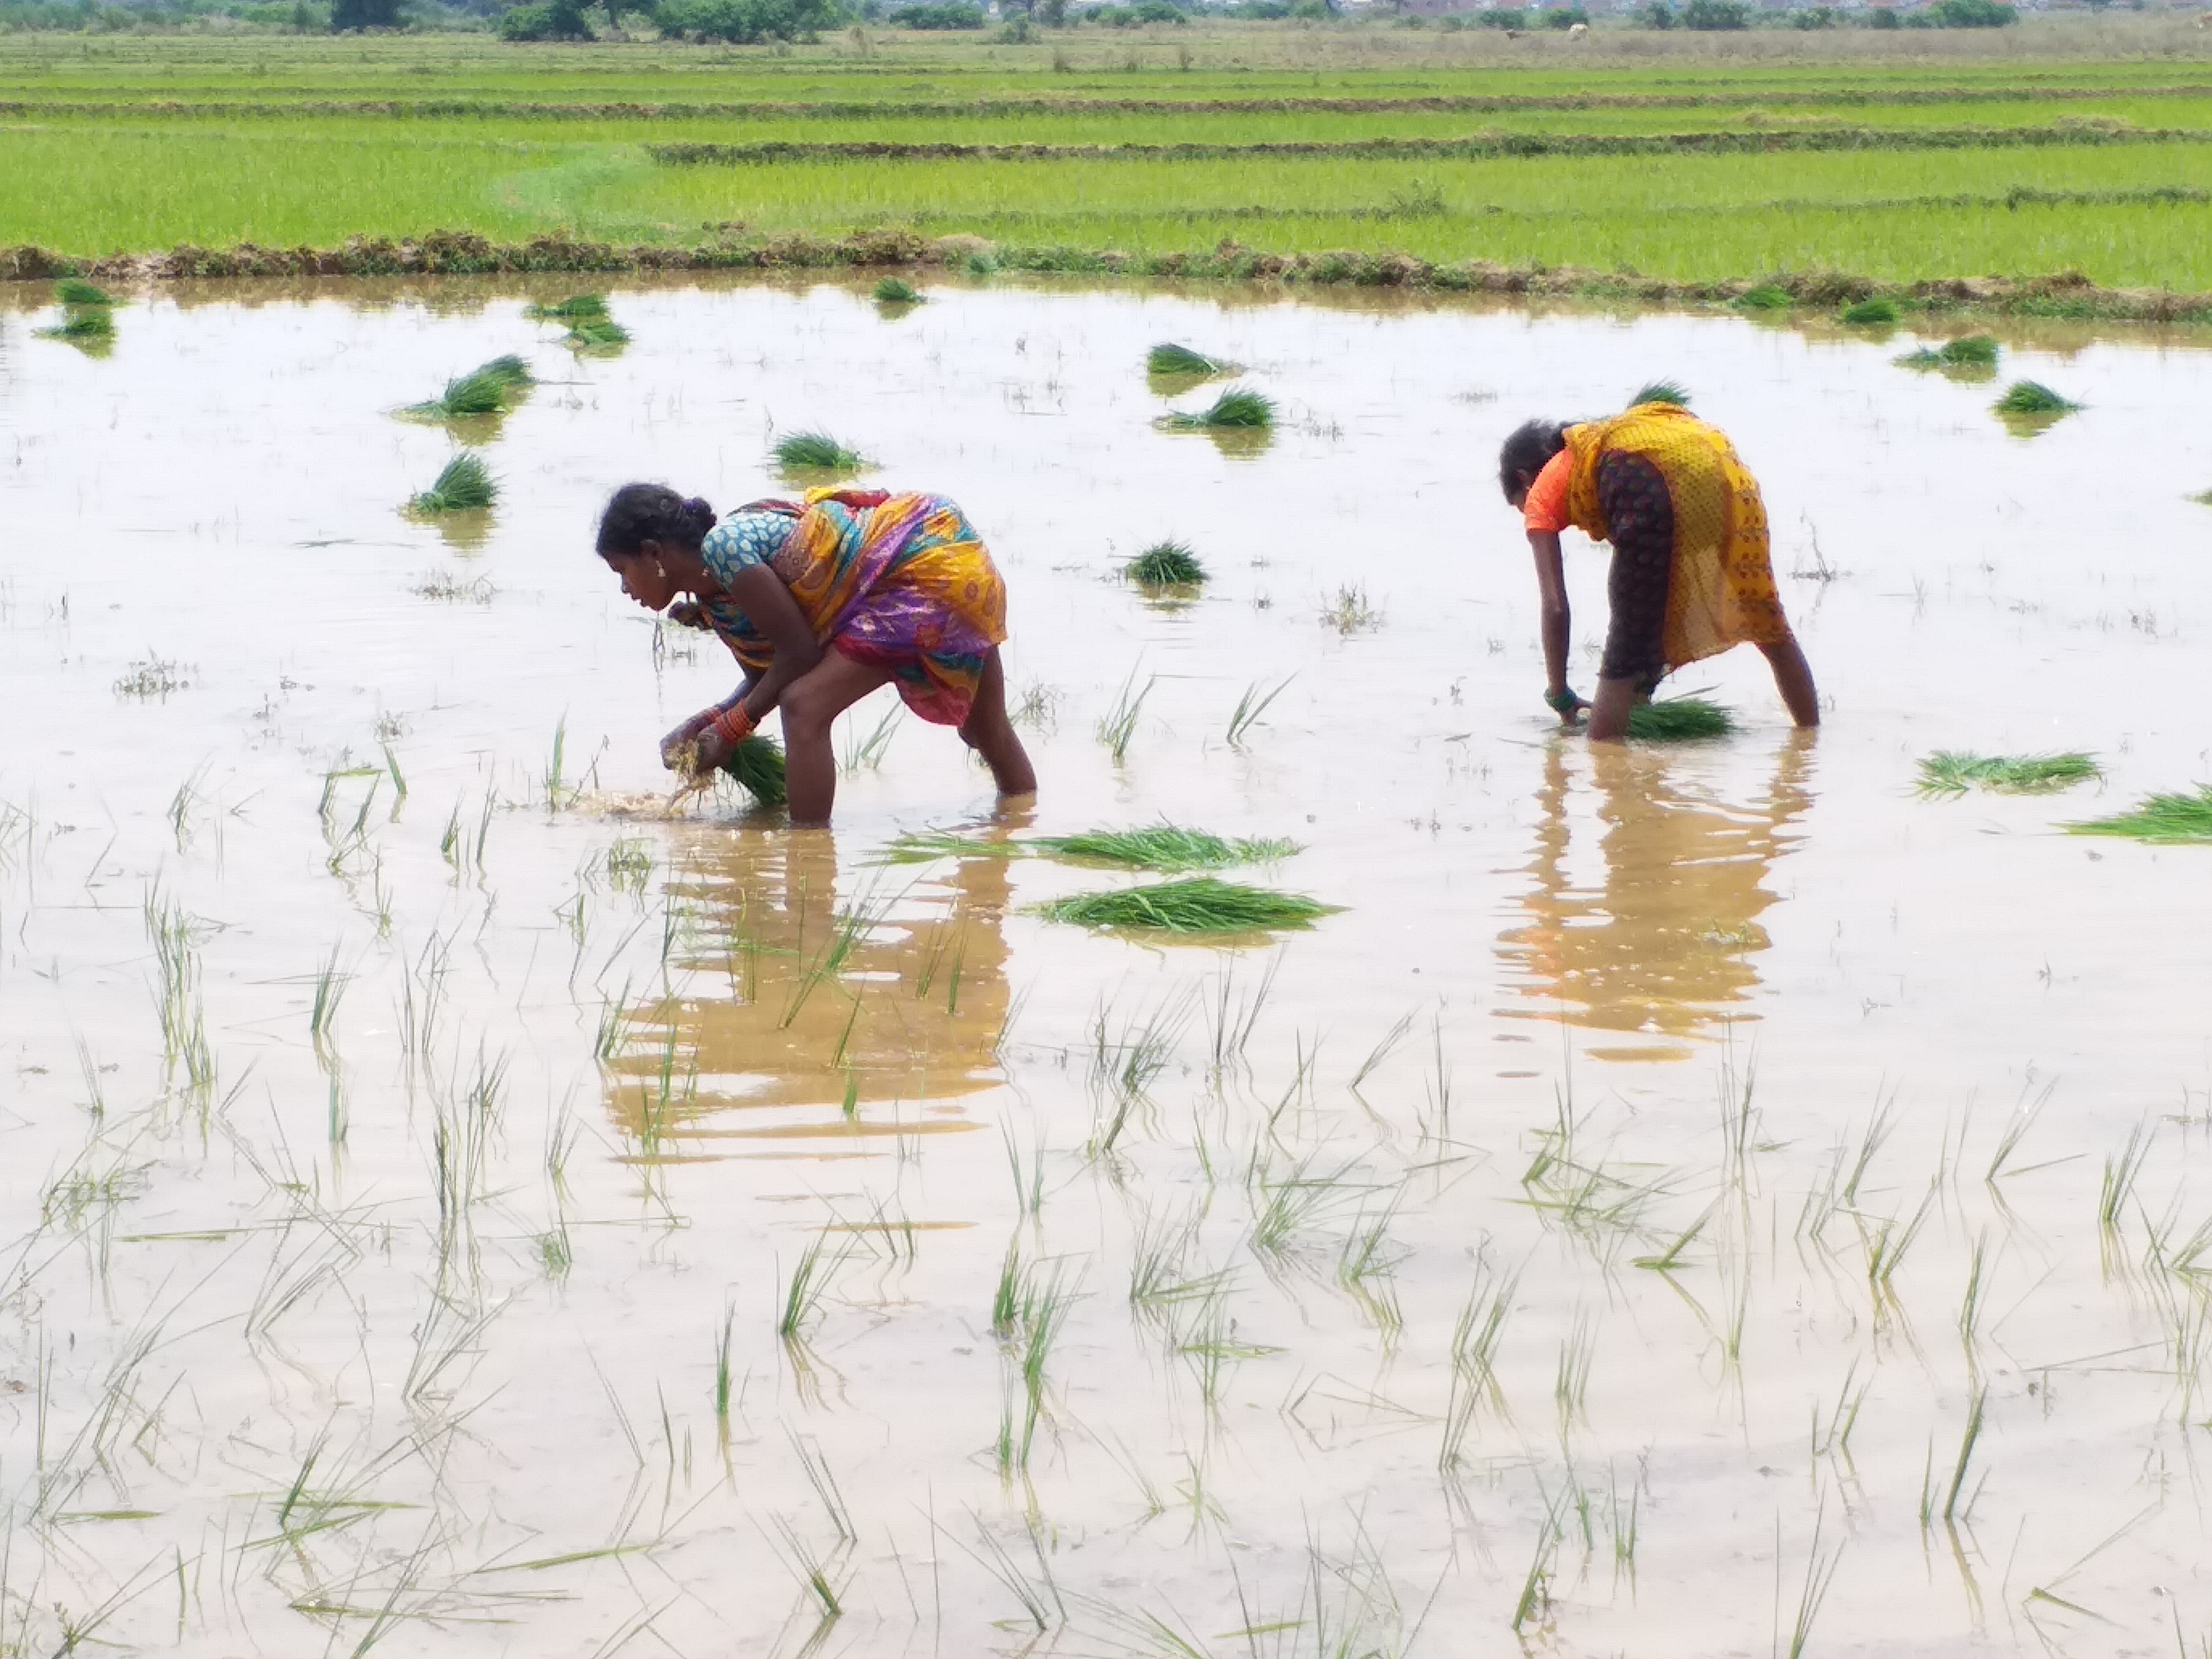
column 1952, row 772
column 2161, row 819
column 1238, row 409
column 1678, row 720
column 465, row 485
column 1166, row 564
column 1200, row 905
column 815, row 452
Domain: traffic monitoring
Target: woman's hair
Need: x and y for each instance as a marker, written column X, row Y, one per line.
column 641, row 513
column 1524, row 455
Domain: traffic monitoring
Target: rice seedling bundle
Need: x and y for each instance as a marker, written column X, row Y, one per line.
column 1970, row 351
column 2032, row 398
column 815, row 452
column 757, row 766
column 93, row 323
column 1766, row 297
column 1949, row 772
column 1170, row 360
column 897, row 291
column 1166, row 847
column 1166, row 564
column 1679, row 720
column 491, row 389
column 1238, row 409
column 2164, row 819
column 1662, row 391
column 596, row 334
column 576, row 308
column 76, row 291
column 1863, row 314
column 1201, row 904
column 464, row 486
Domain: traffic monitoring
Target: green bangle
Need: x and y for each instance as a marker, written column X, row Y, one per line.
column 1563, row 702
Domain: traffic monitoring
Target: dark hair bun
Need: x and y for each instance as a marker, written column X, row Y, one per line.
column 698, row 517
column 641, row 513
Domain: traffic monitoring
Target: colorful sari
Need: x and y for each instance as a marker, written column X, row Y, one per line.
column 900, row 582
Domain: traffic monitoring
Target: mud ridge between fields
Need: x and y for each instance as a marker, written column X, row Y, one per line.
column 854, row 109
column 2064, row 295
column 1478, row 146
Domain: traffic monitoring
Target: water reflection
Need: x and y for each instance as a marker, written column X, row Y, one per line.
column 1661, row 937
column 842, row 1016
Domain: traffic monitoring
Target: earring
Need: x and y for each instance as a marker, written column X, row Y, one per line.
column 659, row 570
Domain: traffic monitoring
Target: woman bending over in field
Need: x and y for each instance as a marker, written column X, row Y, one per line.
column 1690, row 571
column 820, row 603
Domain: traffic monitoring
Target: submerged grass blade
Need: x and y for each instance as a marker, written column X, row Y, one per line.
column 465, row 485
column 1200, row 905
column 2167, row 819
column 1165, row 564
column 1952, row 772
column 1676, row 719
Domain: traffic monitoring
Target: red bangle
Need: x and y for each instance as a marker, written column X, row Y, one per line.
column 732, row 725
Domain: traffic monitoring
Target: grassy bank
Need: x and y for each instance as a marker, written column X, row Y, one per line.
column 2077, row 146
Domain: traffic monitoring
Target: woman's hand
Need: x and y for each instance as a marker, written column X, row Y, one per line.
column 1567, row 705
column 677, row 741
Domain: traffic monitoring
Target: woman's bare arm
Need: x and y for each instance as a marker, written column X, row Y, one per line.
column 767, row 604
column 1552, row 587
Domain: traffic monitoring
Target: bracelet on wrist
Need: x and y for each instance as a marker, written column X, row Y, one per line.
column 1562, row 702
column 732, row 725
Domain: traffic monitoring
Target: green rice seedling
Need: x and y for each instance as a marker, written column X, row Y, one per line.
column 1820, row 1573
column 866, row 753
column 1213, row 1350
column 815, row 452
column 1970, row 354
column 2032, row 401
column 2162, row 820
column 1869, row 313
column 1120, row 723
column 1240, row 409
column 801, row 1303
column 91, row 324
column 465, row 485
column 76, row 291
column 1166, row 847
column 491, row 389
column 2121, row 1175
column 1952, row 1511
column 1198, row 906
column 1249, row 706
column 598, row 334
column 813, row 1572
column 1950, row 772
column 1171, row 361
column 1535, row 1596
column 757, row 765
column 823, row 1480
column 1679, row 720
column 1767, row 296
column 897, row 291
column 1661, row 392
column 1165, row 564
column 576, row 308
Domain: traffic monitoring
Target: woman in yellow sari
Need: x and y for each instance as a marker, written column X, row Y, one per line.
column 822, row 602
column 1691, row 574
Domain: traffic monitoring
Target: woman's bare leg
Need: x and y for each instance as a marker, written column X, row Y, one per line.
column 990, row 733
column 1793, row 678
column 1608, row 715
column 810, row 704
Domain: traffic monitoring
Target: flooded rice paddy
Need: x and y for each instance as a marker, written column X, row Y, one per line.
column 1685, row 1203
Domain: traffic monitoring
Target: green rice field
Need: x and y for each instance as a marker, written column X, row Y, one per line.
column 2059, row 145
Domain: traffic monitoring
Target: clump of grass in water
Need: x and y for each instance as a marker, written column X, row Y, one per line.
column 576, row 308
column 93, row 323
column 76, row 291
column 1662, row 391
column 1238, row 409
column 1679, row 720
column 2164, row 819
column 1200, row 905
column 2033, row 400
column 756, row 765
column 897, row 291
column 1166, row 564
column 1867, row 313
column 1949, row 772
column 596, row 334
column 1171, row 361
column 1767, row 296
column 1166, row 848
column 464, row 486
column 815, row 452
column 492, row 389
column 1968, row 351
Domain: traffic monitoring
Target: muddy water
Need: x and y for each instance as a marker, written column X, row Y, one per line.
column 1709, row 1084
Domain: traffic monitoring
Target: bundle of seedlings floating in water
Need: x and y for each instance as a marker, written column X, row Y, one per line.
column 2165, row 819
column 1661, row 392
column 1767, row 296
column 1182, row 367
column 1870, row 313
column 1238, row 409
column 1165, row 565
column 1949, row 772
column 893, row 291
column 2031, row 404
column 756, row 765
column 489, row 391
column 1201, row 904
column 87, row 317
column 76, row 291
column 1970, row 356
column 1167, row 848
column 1679, row 720
column 464, row 486
column 590, row 327
column 815, row 452
column 576, row 308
